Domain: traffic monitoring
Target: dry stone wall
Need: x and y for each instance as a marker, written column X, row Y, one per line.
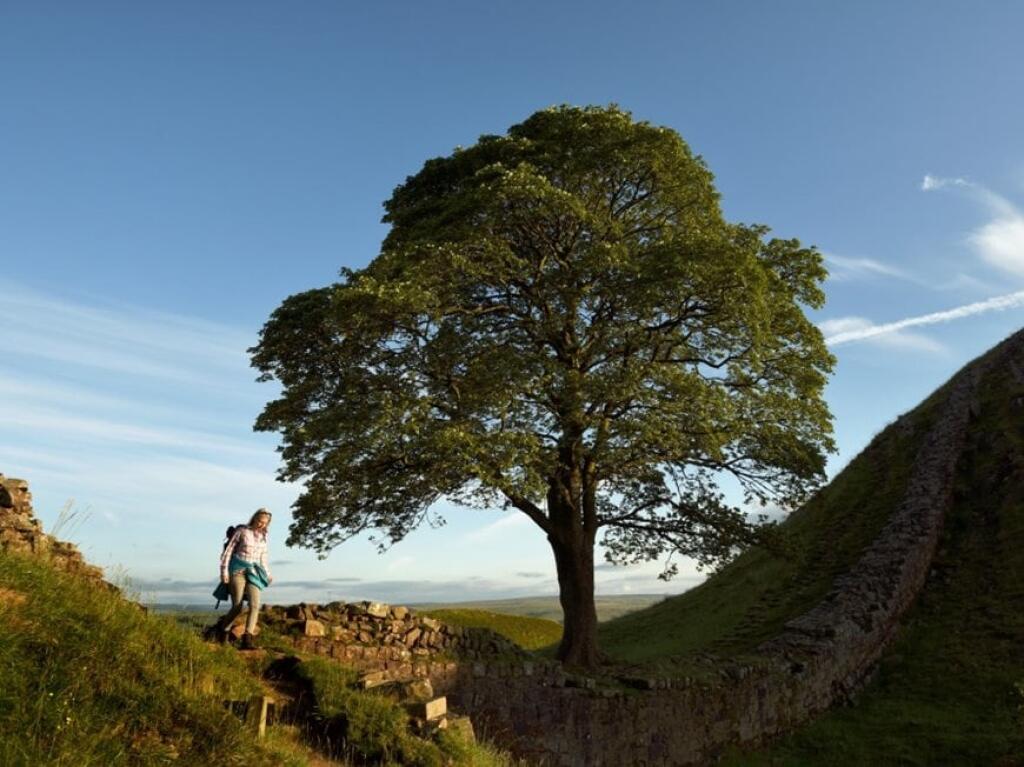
column 20, row 531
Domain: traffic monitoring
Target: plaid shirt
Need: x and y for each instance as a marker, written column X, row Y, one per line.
column 247, row 545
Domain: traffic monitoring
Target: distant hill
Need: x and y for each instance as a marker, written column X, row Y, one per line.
column 608, row 607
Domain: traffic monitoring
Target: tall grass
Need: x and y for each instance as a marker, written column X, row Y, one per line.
column 368, row 728
column 88, row 678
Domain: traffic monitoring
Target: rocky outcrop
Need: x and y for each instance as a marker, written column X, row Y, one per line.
column 20, row 531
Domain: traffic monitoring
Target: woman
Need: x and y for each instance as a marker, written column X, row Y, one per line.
column 245, row 573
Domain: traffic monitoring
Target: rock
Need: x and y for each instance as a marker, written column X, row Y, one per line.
column 314, row 628
column 430, row 623
column 373, row 679
column 418, row 689
column 377, row 609
column 411, row 637
column 21, row 531
column 429, row 710
column 399, row 613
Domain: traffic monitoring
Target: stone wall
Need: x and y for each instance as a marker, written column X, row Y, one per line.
column 20, row 531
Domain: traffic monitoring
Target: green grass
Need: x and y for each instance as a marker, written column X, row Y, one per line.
column 528, row 633
column 607, row 606
column 87, row 678
column 750, row 599
column 372, row 729
column 951, row 689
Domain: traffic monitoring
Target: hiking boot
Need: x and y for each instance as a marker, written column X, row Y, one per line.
column 248, row 642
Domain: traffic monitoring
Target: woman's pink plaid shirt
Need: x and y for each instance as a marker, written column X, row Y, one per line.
column 247, row 545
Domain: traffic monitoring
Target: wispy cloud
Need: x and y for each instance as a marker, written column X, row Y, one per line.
column 510, row 520
column 930, row 183
column 850, row 329
column 847, row 268
column 861, row 328
column 999, row 242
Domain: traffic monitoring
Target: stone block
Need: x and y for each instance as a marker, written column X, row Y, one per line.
column 314, row 628
column 377, row 609
column 373, row 679
column 418, row 690
column 399, row 613
column 430, row 710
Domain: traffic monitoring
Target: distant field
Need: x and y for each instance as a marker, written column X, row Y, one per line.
column 608, row 607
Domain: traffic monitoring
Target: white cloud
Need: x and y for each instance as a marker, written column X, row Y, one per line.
column 845, row 268
column 861, row 328
column 1000, row 242
column 122, row 340
column 930, row 183
column 849, row 329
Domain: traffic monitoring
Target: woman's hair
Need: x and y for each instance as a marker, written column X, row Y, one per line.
column 260, row 513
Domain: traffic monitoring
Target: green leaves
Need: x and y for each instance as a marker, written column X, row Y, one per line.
column 557, row 313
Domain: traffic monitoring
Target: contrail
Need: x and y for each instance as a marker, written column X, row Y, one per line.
column 998, row 303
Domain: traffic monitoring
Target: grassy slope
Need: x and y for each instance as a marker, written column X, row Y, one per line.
column 951, row 689
column 749, row 600
column 87, row 678
column 529, row 633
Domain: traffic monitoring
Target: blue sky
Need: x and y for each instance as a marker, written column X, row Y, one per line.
column 170, row 172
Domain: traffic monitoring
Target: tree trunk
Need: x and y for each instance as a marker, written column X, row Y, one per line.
column 574, row 559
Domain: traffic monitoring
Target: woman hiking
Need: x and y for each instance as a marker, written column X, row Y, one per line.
column 244, row 573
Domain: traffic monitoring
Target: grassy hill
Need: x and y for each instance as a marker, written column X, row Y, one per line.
column 89, row 678
column 750, row 599
column 950, row 691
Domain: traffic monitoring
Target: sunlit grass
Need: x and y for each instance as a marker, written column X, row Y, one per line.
column 87, row 678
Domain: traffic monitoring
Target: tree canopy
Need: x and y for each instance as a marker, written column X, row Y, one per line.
column 560, row 321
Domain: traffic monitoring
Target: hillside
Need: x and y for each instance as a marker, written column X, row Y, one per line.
column 950, row 689
column 750, row 599
column 89, row 677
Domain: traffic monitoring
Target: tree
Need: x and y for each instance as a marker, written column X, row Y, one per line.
column 560, row 321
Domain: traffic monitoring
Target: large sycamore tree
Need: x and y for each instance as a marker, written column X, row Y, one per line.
column 561, row 322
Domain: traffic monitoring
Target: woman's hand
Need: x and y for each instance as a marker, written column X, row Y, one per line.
column 224, row 579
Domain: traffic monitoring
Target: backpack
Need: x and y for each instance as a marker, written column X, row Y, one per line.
column 228, row 534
